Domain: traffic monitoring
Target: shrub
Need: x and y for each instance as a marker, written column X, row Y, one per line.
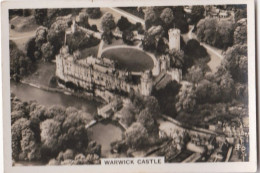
column 68, row 154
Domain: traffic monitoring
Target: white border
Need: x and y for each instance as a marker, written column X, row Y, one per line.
column 176, row 167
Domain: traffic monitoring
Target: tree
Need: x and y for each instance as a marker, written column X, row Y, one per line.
column 186, row 99
column 241, row 92
column 31, row 48
column 41, row 36
column 57, row 112
column 40, row 16
column 74, row 132
column 236, row 62
column 28, row 146
column 216, row 33
column 240, row 14
column 107, row 22
column 127, row 117
column 150, row 17
column 20, row 65
column 15, row 115
column 240, row 33
column 136, row 136
column 128, row 37
column 167, row 17
column 68, row 154
column 47, row 51
column 177, row 59
column 151, row 103
column 56, row 34
column 50, row 133
column 123, row 24
column 16, row 131
column 197, row 13
column 208, row 92
column 195, row 75
column 148, row 121
column 152, row 37
column 225, row 32
column 167, row 97
column 194, row 49
column 107, row 36
column 206, row 29
column 94, row 13
column 227, row 87
column 82, row 20
column 180, row 20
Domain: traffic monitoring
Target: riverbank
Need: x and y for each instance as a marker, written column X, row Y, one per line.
column 88, row 96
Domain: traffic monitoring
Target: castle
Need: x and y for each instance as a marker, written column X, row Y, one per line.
column 100, row 76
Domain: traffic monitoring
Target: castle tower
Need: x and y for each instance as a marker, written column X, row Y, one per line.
column 174, row 39
column 73, row 26
column 157, row 68
column 64, row 51
column 146, row 83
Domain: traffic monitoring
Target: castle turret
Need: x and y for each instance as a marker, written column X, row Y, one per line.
column 73, row 26
column 146, row 83
column 174, row 39
column 64, row 52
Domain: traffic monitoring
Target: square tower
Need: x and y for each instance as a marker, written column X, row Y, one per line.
column 174, row 39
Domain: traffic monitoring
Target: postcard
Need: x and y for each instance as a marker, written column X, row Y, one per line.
column 129, row 86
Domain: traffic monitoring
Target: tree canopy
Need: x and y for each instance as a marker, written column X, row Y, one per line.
column 136, row 136
column 197, row 13
column 107, row 22
column 216, row 33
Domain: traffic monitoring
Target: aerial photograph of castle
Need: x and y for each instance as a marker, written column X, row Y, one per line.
column 129, row 82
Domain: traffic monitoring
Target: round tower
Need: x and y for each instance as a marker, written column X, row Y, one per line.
column 174, row 39
column 146, row 83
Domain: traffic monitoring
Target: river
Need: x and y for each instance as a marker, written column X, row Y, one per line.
column 26, row 93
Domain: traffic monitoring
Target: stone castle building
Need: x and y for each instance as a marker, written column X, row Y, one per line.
column 99, row 75
column 174, row 39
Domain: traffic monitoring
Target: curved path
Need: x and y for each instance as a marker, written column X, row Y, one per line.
column 128, row 15
column 215, row 56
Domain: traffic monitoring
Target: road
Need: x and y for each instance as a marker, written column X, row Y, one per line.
column 128, row 15
column 22, row 37
column 215, row 54
column 13, row 35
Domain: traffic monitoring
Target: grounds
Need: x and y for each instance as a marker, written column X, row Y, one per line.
column 130, row 59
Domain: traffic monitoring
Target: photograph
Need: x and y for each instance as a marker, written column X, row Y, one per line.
column 160, row 84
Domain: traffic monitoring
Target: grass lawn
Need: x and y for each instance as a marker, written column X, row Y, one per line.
column 24, row 24
column 43, row 74
column 130, row 59
column 24, row 30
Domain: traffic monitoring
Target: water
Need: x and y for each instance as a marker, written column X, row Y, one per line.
column 105, row 133
column 27, row 93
